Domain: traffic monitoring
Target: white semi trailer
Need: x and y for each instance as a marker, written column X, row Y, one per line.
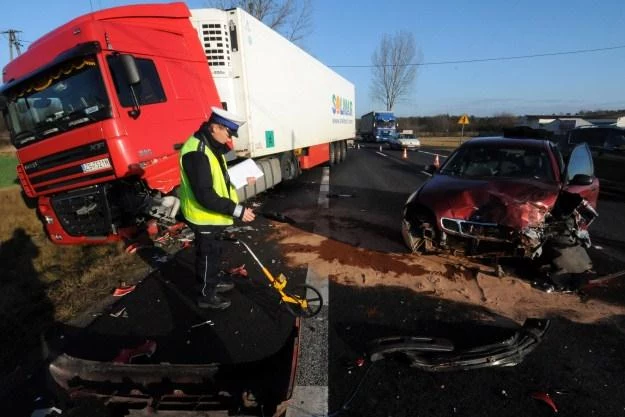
column 299, row 112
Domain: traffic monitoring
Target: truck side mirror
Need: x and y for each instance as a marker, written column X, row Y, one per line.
column 133, row 77
column 130, row 69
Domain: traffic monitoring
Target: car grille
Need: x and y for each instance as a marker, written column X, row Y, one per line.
column 484, row 231
column 54, row 173
column 84, row 212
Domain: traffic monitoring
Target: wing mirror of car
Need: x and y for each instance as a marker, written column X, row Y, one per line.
column 581, row 179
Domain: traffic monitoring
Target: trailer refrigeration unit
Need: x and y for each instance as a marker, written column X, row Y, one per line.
column 378, row 126
column 97, row 107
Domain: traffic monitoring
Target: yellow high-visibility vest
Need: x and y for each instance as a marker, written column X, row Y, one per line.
column 191, row 209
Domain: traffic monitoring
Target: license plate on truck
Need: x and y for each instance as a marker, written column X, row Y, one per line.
column 96, row 165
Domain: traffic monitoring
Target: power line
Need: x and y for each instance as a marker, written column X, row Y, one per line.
column 501, row 58
column 13, row 41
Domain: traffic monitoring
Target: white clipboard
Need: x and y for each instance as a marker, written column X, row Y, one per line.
column 240, row 172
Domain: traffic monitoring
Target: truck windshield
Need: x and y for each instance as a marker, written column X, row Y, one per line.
column 385, row 123
column 64, row 98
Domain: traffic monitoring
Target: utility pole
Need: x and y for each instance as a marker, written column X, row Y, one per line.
column 13, row 42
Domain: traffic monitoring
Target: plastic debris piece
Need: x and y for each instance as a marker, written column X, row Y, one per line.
column 123, row 290
column 161, row 259
column 121, row 313
column 546, row 398
column 360, row 362
column 126, row 355
column 209, row 322
column 44, row 412
column 239, row 270
column 132, row 248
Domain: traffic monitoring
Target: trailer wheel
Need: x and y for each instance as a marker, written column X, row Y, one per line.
column 289, row 165
column 343, row 150
column 337, row 152
column 332, row 153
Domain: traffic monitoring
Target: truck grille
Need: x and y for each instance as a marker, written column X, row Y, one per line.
column 56, row 172
column 84, row 212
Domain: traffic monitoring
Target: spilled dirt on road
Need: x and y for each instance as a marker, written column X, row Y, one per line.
column 446, row 277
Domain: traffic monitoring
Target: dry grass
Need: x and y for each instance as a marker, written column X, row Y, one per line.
column 41, row 283
column 442, row 142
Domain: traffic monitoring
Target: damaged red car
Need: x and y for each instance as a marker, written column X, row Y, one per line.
column 507, row 197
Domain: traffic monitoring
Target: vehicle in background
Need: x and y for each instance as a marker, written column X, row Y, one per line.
column 607, row 144
column 404, row 140
column 98, row 107
column 503, row 197
column 378, row 126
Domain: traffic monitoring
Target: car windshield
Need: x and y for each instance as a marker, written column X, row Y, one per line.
column 499, row 162
column 63, row 98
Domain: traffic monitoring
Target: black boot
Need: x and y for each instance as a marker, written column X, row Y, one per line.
column 213, row 301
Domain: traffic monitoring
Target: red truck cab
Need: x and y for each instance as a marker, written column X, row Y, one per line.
column 94, row 109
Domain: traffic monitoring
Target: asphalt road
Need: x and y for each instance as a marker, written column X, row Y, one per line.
column 580, row 365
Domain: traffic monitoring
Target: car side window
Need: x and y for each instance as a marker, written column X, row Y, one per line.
column 580, row 162
column 616, row 140
column 595, row 138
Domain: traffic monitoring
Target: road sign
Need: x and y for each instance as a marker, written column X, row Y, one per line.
column 464, row 120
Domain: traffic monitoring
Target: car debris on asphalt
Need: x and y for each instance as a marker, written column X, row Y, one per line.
column 439, row 354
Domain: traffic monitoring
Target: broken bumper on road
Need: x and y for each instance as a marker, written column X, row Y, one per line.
column 437, row 354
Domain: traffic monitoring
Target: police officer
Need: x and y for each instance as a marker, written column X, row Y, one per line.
column 209, row 202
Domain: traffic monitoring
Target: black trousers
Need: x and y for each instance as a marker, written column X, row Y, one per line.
column 208, row 255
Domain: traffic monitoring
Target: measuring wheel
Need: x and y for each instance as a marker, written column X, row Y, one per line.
column 313, row 298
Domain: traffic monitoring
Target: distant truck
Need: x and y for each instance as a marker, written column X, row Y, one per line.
column 98, row 107
column 378, row 126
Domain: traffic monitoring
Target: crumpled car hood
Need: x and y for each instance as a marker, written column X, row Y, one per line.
column 516, row 203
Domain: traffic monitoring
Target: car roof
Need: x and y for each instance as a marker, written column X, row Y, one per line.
column 500, row 141
column 602, row 127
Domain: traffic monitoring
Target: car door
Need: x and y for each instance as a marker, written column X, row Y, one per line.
column 580, row 176
column 610, row 160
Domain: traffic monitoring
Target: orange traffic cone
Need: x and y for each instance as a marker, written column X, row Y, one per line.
column 437, row 162
column 405, row 154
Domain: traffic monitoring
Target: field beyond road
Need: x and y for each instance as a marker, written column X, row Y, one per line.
column 8, row 175
column 42, row 283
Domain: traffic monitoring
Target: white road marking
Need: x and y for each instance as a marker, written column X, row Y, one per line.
column 433, row 154
column 310, row 394
column 380, row 153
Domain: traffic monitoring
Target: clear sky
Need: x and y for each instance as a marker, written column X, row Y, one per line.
column 346, row 32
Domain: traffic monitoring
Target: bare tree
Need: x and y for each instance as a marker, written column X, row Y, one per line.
column 292, row 18
column 394, row 68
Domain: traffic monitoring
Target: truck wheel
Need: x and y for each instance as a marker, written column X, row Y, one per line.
column 343, row 150
column 289, row 166
column 332, row 154
column 338, row 152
